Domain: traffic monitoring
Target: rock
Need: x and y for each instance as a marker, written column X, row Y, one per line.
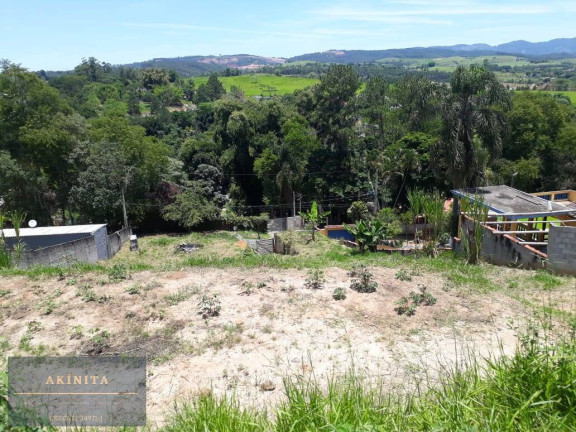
column 267, row 386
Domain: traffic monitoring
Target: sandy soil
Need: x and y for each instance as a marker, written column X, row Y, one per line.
column 277, row 328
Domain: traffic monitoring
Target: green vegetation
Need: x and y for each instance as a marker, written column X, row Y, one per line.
column 263, row 84
column 201, row 157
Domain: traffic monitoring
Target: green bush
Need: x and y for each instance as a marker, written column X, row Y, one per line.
column 358, row 211
column 339, row 293
column 362, row 281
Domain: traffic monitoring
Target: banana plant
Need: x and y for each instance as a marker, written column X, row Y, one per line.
column 368, row 234
column 314, row 217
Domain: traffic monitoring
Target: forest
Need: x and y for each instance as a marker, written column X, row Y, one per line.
column 151, row 149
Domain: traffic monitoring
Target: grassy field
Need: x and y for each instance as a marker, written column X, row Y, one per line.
column 495, row 350
column 261, row 84
column 448, row 64
column 570, row 94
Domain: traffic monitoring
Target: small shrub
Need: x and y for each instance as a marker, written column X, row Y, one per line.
column 362, row 281
column 315, row 279
column 422, row 297
column 339, row 293
column 403, row 275
column 209, row 306
column 403, row 307
column 408, row 307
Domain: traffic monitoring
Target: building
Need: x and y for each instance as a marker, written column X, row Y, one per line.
column 527, row 230
column 64, row 245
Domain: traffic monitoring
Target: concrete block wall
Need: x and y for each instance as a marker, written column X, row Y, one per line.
column 63, row 255
column 285, row 224
column 562, row 249
column 117, row 239
column 505, row 250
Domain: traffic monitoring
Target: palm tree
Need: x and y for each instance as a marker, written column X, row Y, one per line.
column 474, row 116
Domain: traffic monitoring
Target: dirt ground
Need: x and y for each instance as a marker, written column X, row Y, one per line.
column 269, row 326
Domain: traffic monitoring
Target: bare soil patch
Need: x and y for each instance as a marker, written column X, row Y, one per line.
column 269, row 326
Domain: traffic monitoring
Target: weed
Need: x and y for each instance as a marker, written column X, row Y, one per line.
column 104, row 298
column 134, row 289
column 183, row 294
column 71, row 282
column 247, row 289
column 4, row 345
column 315, row 279
column 34, row 326
column 362, row 281
column 86, row 293
column 4, row 293
column 48, row 306
column 546, row 280
column 118, row 272
column 209, row 306
column 231, row 336
column 99, row 341
column 339, row 293
column 77, row 332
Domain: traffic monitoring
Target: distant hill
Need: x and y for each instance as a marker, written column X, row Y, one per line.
column 521, row 47
column 199, row 65
column 554, row 48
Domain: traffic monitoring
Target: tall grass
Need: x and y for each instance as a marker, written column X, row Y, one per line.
column 534, row 390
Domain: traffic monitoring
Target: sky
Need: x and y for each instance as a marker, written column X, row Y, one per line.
column 57, row 34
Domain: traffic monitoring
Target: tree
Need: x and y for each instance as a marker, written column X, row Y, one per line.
column 475, row 107
column 101, row 188
column 211, row 91
column 191, row 208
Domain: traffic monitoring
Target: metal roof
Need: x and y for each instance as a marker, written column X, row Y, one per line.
column 56, row 230
column 506, row 201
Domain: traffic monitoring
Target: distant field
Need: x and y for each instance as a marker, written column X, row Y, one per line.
column 261, row 84
column 448, row 64
column 570, row 94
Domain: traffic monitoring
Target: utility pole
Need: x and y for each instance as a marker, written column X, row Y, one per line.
column 293, row 204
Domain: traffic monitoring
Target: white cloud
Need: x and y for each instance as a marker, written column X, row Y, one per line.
column 355, row 14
